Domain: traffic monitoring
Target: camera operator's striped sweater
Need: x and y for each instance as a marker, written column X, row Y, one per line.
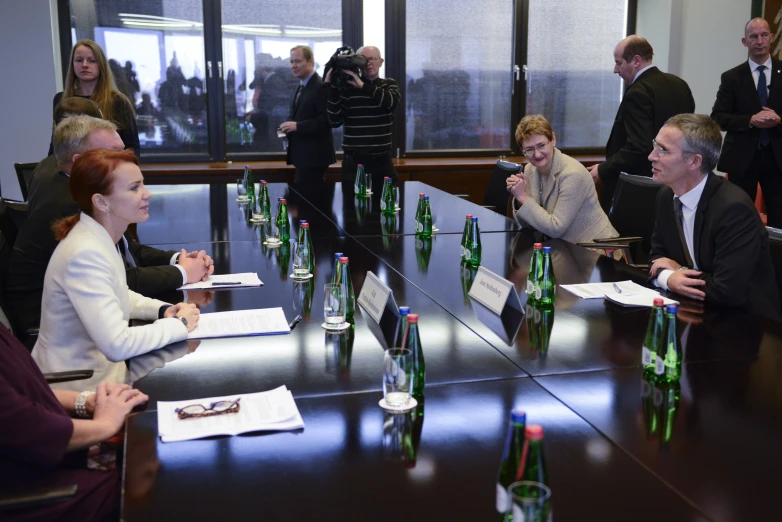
column 367, row 114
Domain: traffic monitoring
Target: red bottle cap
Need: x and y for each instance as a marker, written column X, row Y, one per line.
column 469, row 216
column 305, row 225
column 533, row 432
column 264, row 183
column 658, row 302
column 537, row 245
column 360, row 164
column 421, row 195
column 283, row 200
column 385, row 178
column 412, row 318
column 343, row 260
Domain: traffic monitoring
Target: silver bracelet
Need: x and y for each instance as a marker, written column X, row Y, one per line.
column 81, row 405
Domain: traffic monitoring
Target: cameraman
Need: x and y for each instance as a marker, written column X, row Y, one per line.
column 365, row 106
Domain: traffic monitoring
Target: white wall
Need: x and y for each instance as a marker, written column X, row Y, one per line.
column 697, row 40
column 28, row 86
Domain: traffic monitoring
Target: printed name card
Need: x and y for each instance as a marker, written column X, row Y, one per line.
column 494, row 292
column 374, row 296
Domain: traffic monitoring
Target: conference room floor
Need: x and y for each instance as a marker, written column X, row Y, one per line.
column 618, row 447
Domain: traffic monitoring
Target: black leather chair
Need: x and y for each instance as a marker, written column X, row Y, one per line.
column 775, row 246
column 632, row 214
column 496, row 196
column 13, row 214
column 24, row 173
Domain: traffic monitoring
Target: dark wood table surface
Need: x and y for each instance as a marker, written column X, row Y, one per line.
column 617, row 447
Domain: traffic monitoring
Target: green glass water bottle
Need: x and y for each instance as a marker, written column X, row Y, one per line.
column 245, row 177
column 534, row 466
column 463, row 244
column 425, row 220
column 511, row 456
column 283, row 222
column 387, row 200
column 360, row 186
column 671, row 351
column 343, row 278
column 266, row 205
column 401, row 326
column 547, row 290
column 472, row 253
column 654, row 336
column 418, row 211
column 535, row 272
column 250, row 183
column 413, row 343
column 335, row 273
column 305, row 237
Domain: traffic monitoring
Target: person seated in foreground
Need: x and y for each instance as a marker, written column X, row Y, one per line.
column 555, row 194
column 149, row 271
column 709, row 243
column 43, row 445
column 86, row 299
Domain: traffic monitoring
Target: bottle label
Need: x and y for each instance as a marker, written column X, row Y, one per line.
column 646, row 356
column 659, row 365
column 530, row 287
column 461, row 250
column 382, row 205
column 419, row 227
column 671, row 359
column 467, row 254
column 538, row 292
column 502, row 499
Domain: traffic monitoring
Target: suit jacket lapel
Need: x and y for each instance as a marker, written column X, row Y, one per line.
column 747, row 83
column 712, row 183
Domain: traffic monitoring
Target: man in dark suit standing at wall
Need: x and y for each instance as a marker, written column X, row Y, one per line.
column 708, row 242
column 748, row 105
column 310, row 141
column 651, row 97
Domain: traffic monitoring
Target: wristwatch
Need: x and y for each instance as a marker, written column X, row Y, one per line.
column 81, row 405
column 184, row 321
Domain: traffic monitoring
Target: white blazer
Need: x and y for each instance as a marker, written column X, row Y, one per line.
column 86, row 307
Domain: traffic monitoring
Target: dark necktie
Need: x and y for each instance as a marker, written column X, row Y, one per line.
column 124, row 254
column 296, row 97
column 677, row 213
column 763, row 140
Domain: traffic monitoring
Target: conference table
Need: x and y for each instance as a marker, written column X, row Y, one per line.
column 618, row 446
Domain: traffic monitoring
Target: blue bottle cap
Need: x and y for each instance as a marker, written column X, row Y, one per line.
column 546, row 250
column 279, row 199
column 671, row 308
column 262, row 181
column 426, row 198
column 404, row 310
column 519, row 416
column 474, row 219
column 302, row 221
column 338, row 255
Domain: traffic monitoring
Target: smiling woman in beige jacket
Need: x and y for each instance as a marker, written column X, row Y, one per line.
column 555, row 194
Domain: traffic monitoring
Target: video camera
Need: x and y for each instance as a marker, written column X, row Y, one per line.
column 345, row 59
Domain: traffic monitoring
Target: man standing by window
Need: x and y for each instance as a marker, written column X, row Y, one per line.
column 365, row 106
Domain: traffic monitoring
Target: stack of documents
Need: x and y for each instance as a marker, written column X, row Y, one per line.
column 273, row 410
column 216, row 282
column 625, row 293
column 263, row 321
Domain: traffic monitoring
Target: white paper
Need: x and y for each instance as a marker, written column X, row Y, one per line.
column 273, row 410
column 265, row 321
column 245, row 279
column 600, row 290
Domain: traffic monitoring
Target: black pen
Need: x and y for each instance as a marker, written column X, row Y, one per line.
column 226, row 283
column 295, row 321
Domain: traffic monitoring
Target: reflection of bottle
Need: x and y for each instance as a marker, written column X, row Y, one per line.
column 343, row 278
column 533, row 327
column 418, row 426
column 399, row 335
column 283, row 222
column 302, row 297
column 472, row 253
column 648, row 404
column 360, row 186
column 511, row 456
column 360, row 205
column 387, row 226
column 672, row 352
column 285, row 259
column 467, row 274
column 463, row 244
column 548, row 284
column 545, row 326
column 653, row 338
column 668, row 408
column 413, row 343
column 398, row 443
column 535, row 271
column 423, row 252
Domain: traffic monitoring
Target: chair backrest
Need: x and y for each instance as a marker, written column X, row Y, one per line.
column 24, row 173
column 496, row 193
column 5, row 261
column 775, row 246
column 13, row 214
column 633, row 210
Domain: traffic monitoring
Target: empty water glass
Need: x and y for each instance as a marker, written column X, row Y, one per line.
column 435, row 210
column 396, row 199
column 301, row 260
column 272, row 233
column 241, row 190
column 397, row 377
column 334, row 305
column 369, row 183
column 530, row 501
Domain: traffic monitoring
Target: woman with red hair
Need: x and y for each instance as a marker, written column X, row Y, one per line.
column 86, row 301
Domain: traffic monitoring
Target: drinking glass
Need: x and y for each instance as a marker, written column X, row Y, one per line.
column 530, row 501
column 301, row 260
column 369, row 183
column 272, row 233
column 435, row 209
column 257, row 209
column 397, row 377
column 241, row 190
column 334, row 305
column 396, row 199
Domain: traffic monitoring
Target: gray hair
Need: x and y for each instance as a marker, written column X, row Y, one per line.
column 364, row 47
column 701, row 136
column 71, row 136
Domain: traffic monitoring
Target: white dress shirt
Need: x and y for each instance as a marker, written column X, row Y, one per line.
column 689, row 207
column 639, row 73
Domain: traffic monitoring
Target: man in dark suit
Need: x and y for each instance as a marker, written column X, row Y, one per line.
column 310, row 141
column 708, row 242
column 149, row 271
column 748, row 105
column 651, row 97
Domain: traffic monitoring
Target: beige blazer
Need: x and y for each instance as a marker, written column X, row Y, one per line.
column 570, row 209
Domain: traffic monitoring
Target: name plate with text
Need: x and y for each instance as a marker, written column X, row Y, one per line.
column 374, row 296
column 494, row 292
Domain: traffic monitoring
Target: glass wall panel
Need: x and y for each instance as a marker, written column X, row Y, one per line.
column 570, row 78
column 156, row 52
column 459, row 59
column 259, row 86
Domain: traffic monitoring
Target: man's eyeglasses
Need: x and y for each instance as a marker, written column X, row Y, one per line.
column 662, row 152
column 216, row 408
column 530, row 151
column 372, row 59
